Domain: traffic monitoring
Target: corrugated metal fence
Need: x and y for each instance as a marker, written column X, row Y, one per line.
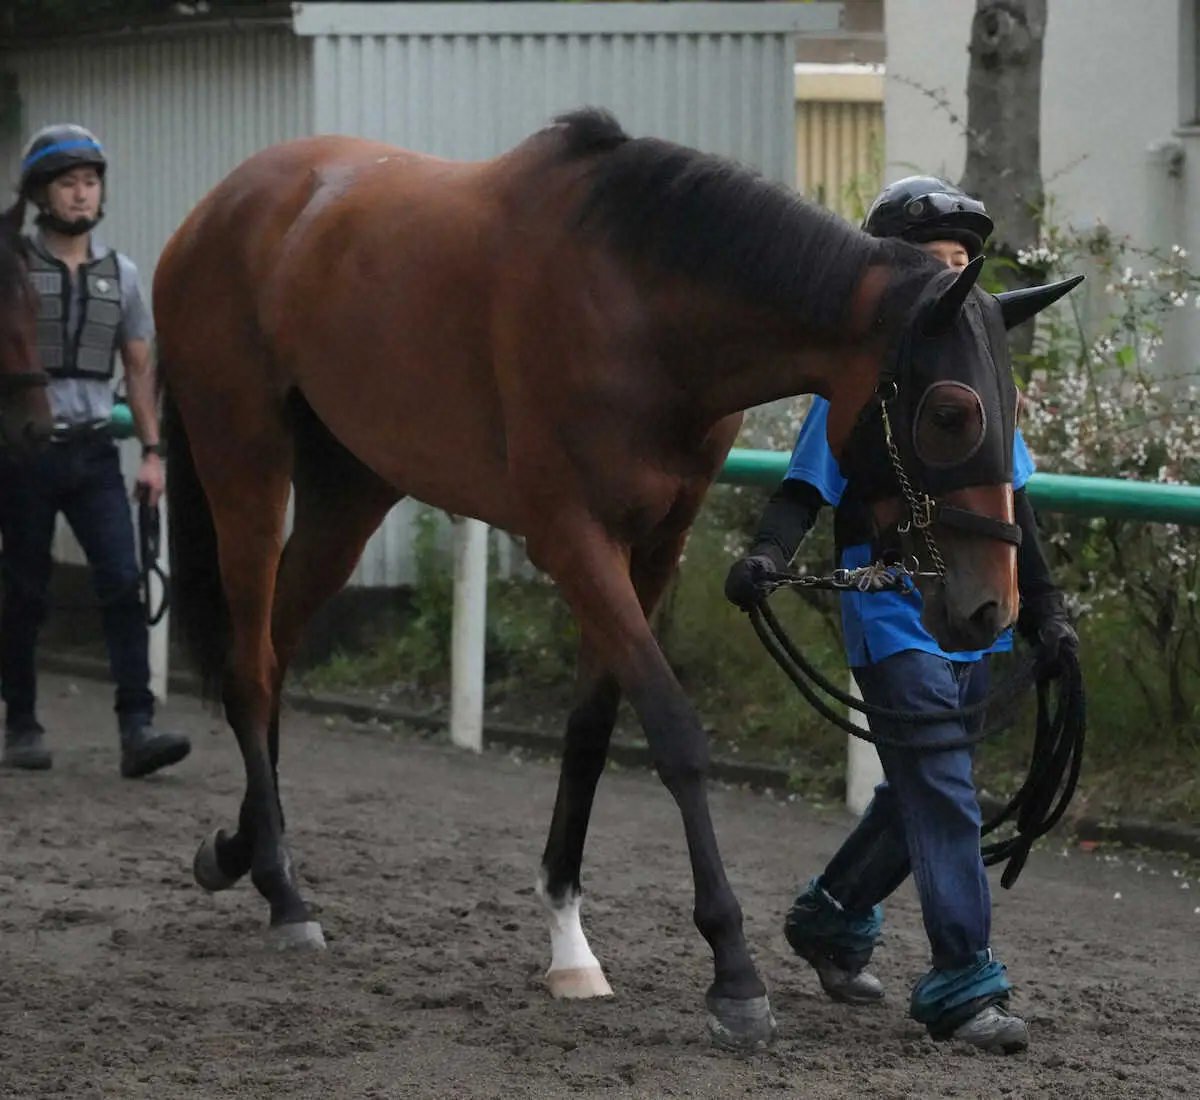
column 703, row 90
column 175, row 114
column 469, row 81
column 839, row 135
column 179, row 111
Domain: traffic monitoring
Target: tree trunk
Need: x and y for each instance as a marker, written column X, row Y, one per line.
column 1004, row 101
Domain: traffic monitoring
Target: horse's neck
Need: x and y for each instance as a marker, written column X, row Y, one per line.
column 744, row 375
column 736, row 356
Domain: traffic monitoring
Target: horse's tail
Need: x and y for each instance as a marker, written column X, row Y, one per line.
column 198, row 607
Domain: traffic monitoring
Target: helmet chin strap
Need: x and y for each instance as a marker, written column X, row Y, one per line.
column 77, row 228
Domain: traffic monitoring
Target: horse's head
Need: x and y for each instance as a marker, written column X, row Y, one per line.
column 928, row 443
column 24, row 407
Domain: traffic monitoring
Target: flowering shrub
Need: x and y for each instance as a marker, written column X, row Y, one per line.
column 1096, row 404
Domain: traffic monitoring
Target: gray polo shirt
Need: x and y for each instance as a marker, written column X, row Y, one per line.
column 81, row 400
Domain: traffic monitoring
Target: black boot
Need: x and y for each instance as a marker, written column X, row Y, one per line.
column 25, row 745
column 145, row 749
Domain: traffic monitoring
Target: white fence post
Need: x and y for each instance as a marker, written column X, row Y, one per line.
column 468, row 633
column 863, row 769
column 161, row 631
column 468, row 636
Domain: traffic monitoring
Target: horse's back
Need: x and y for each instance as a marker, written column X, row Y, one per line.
column 358, row 273
column 261, row 248
column 444, row 320
column 254, row 206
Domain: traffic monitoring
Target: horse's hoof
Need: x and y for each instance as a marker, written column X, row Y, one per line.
column 578, row 983
column 740, row 1025
column 205, row 868
column 303, row 935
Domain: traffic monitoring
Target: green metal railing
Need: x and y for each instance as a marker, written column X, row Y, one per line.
column 1087, row 496
column 1110, row 497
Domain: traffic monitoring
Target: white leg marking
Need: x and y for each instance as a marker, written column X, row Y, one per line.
column 574, row 970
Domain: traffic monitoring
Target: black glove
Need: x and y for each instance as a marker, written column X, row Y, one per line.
column 1045, row 624
column 787, row 518
column 746, row 583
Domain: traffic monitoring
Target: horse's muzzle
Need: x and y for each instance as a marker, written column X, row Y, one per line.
column 959, row 629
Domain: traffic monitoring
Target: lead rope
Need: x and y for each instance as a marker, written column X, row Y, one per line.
column 149, row 547
column 1057, row 754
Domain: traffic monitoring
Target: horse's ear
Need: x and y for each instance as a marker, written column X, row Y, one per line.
column 1018, row 306
column 942, row 311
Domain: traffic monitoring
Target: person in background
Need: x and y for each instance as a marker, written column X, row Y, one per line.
column 91, row 308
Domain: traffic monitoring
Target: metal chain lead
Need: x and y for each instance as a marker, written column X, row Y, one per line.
column 876, row 577
column 920, row 509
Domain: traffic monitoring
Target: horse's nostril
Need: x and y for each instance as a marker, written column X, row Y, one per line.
column 986, row 618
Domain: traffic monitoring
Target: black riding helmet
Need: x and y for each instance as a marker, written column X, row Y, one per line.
column 52, row 151
column 925, row 208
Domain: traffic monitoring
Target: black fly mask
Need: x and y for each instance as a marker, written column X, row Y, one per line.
column 945, row 408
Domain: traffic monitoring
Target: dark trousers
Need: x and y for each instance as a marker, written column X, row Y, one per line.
column 924, row 817
column 82, row 479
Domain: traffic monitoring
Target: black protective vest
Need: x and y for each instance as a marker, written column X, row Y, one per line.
column 88, row 351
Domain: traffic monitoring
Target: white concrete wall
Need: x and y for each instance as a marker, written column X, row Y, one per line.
column 1117, row 81
column 1110, row 87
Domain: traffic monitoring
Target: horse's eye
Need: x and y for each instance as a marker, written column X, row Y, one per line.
column 949, row 418
column 949, row 424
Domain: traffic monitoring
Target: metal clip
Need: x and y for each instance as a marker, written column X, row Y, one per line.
column 922, row 517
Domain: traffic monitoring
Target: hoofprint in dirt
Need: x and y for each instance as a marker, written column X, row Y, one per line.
column 120, row 978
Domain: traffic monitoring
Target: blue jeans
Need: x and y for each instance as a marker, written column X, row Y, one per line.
column 924, row 817
column 82, row 479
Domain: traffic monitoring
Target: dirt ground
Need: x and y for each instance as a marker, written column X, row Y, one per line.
column 120, row 978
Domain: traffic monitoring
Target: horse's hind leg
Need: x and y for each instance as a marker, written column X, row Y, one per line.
column 246, row 470
column 339, row 503
column 574, row 970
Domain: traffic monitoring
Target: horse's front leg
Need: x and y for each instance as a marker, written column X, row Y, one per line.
column 574, row 971
column 592, row 573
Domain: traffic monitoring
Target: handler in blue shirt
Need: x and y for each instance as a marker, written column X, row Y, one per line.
column 925, row 816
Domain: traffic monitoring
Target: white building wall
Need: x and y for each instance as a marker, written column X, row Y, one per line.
column 1118, row 83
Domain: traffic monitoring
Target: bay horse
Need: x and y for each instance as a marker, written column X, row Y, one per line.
column 25, row 419
column 560, row 342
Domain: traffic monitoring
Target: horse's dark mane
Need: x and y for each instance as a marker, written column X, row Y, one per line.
column 721, row 223
column 12, row 271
